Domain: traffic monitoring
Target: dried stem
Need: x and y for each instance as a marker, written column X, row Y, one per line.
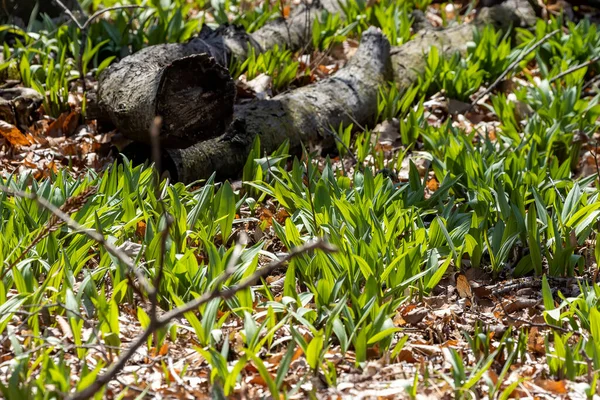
column 84, row 32
column 576, row 68
column 513, row 65
column 91, row 233
column 157, row 322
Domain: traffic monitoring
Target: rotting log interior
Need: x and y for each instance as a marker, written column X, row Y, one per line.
column 194, row 99
column 134, row 91
column 128, row 90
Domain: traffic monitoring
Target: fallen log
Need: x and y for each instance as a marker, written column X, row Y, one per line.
column 409, row 60
column 307, row 113
column 23, row 9
column 192, row 93
column 301, row 116
column 132, row 92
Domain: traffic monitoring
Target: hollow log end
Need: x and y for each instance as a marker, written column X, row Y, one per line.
column 195, row 100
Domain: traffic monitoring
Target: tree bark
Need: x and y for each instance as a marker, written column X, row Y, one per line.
column 22, row 9
column 409, row 60
column 132, row 92
column 192, row 93
column 307, row 113
column 300, row 116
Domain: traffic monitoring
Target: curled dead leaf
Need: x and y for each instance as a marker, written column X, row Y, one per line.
column 535, row 342
column 64, row 327
column 164, row 349
column 433, row 184
column 64, row 125
column 414, row 316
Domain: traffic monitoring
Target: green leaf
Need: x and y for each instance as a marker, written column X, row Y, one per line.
column 533, row 240
column 313, row 352
column 264, row 373
column 9, row 307
column 547, row 298
column 226, row 210
column 383, row 334
column 571, row 202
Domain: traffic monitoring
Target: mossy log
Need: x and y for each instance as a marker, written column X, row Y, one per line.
column 350, row 96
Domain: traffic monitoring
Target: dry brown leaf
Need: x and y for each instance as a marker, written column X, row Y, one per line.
column 407, row 356
column 281, row 216
column 13, row 135
column 64, row 125
column 414, row 316
column 64, row 327
column 535, row 342
column 140, row 229
column 555, row 387
column 519, row 304
column 265, row 215
column 492, row 375
column 257, row 380
column 463, row 287
column 29, row 164
column 71, row 123
column 297, row 354
column 164, row 349
column 433, row 184
column 55, row 128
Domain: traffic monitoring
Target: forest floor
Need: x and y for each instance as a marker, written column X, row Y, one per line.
column 458, row 257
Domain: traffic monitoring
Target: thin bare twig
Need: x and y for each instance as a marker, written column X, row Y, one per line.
column 155, row 142
column 535, row 324
column 72, row 205
column 590, row 82
column 105, row 10
column 83, row 27
column 576, row 68
column 158, row 322
column 512, row 66
column 91, row 233
column 67, row 11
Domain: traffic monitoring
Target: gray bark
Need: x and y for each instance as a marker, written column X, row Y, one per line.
column 132, row 92
column 12, row 11
column 350, row 96
column 192, row 93
column 300, row 116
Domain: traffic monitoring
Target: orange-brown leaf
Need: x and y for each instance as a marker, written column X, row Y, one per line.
column 13, row 135
column 433, row 184
column 535, row 342
column 463, row 287
column 297, row 354
column 164, row 349
column 140, row 229
column 71, row 123
column 555, row 387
